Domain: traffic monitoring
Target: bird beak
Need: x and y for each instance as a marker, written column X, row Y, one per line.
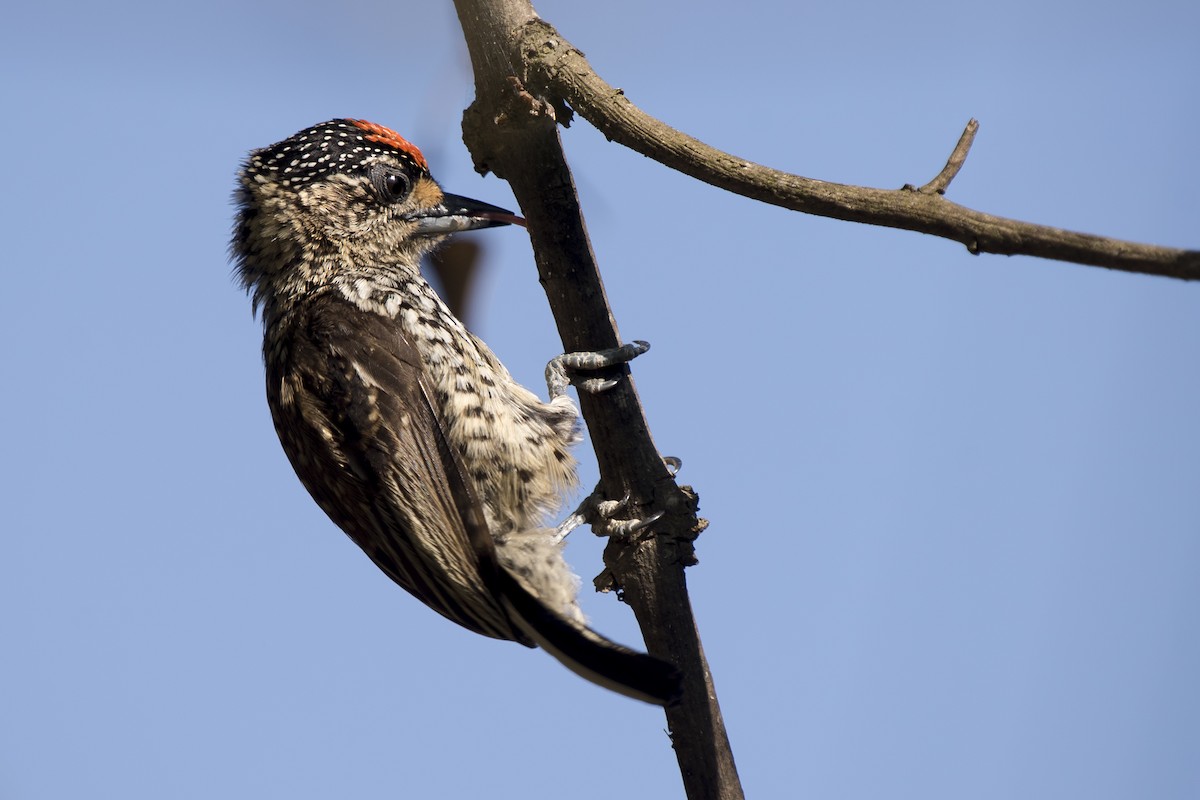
column 463, row 214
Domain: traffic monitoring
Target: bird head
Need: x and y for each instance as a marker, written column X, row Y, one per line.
column 344, row 190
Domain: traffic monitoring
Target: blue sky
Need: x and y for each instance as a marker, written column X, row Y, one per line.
column 955, row 518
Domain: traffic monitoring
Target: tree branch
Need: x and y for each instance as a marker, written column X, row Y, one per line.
column 558, row 71
column 528, row 80
column 515, row 135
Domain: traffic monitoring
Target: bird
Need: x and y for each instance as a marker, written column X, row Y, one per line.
column 404, row 427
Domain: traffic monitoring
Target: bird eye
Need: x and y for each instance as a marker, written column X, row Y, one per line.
column 396, row 185
column 392, row 186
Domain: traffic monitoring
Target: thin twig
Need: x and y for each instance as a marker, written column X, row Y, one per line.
column 559, row 72
column 958, row 157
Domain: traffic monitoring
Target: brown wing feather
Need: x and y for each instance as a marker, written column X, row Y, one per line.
column 353, row 412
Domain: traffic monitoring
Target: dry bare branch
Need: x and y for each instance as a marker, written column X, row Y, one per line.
column 515, row 135
column 528, row 80
column 558, row 71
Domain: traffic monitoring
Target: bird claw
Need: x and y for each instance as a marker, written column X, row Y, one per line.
column 625, row 528
column 595, row 385
column 558, row 376
column 599, row 513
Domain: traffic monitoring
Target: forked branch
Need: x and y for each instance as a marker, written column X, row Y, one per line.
column 528, row 79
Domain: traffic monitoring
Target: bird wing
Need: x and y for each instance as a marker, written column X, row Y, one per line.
column 352, row 409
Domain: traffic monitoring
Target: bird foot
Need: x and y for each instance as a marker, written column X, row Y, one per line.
column 600, row 513
column 559, row 372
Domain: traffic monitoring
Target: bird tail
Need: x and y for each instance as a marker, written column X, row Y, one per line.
column 587, row 653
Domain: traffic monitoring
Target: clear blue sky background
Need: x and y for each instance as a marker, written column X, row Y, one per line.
column 955, row 538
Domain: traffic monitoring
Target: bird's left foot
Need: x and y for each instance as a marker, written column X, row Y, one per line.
column 601, row 513
column 558, row 371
